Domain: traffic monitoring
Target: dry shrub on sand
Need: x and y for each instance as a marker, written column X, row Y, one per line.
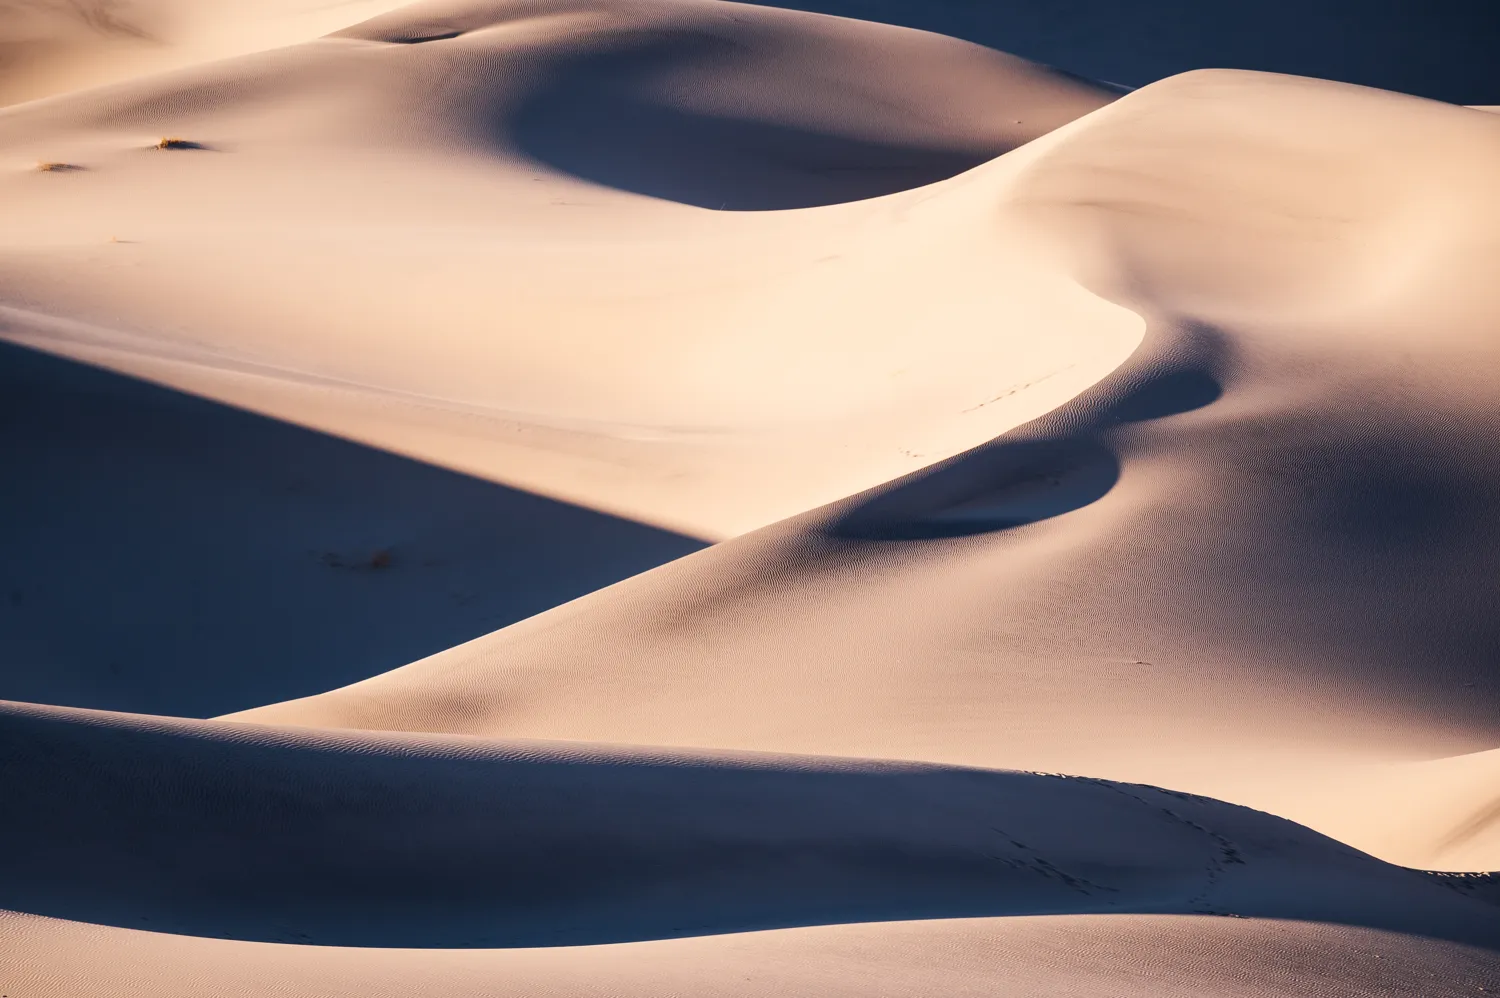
column 175, row 143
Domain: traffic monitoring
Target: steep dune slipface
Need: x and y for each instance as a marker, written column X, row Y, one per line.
column 1256, row 555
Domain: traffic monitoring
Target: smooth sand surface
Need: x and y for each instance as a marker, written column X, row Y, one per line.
column 677, row 497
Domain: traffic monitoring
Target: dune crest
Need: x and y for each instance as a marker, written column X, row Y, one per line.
column 498, row 844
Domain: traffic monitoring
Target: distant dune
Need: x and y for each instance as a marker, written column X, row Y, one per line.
column 683, row 497
column 1440, row 49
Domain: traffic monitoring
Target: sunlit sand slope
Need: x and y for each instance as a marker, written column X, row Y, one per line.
column 416, row 245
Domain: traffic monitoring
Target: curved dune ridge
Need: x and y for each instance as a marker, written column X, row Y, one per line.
column 390, row 841
column 674, row 496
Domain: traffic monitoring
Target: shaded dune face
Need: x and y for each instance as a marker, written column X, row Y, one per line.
column 728, row 107
column 597, row 118
column 1057, row 465
column 214, row 830
column 166, row 554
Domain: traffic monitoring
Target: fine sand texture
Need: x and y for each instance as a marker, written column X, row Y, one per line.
column 640, row 497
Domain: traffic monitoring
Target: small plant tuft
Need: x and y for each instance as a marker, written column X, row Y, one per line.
column 45, row 166
column 173, row 143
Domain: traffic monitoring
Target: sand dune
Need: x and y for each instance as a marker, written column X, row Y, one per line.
column 1101, row 489
column 691, row 420
column 1230, row 562
column 419, row 842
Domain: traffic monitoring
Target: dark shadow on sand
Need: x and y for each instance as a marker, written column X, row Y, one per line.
column 1024, row 477
column 597, row 118
column 223, row 830
column 170, row 555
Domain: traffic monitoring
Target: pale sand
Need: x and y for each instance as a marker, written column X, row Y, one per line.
column 1150, row 441
column 53, row 46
